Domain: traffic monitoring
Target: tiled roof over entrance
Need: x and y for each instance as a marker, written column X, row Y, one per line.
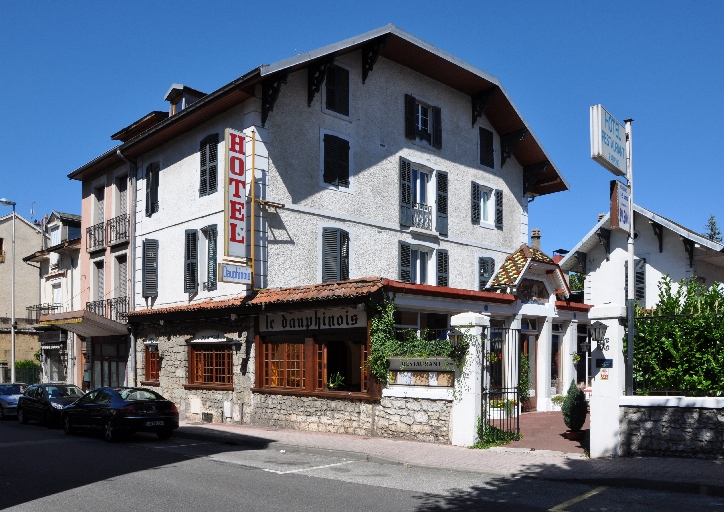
column 340, row 290
column 515, row 263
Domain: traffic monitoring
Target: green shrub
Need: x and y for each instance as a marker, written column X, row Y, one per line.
column 489, row 435
column 575, row 408
column 27, row 363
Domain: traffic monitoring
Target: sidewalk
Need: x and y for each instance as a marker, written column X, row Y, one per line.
column 665, row 474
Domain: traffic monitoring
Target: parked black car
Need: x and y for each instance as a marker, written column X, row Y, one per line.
column 118, row 411
column 43, row 402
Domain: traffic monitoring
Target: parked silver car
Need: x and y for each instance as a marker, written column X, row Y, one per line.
column 9, row 394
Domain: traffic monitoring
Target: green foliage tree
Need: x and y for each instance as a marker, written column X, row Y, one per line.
column 575, row 408
column 678, row 345
column 712, row 232
column 524, row 378
column 576, row 281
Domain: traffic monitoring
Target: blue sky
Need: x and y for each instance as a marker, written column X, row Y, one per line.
column 74, row 73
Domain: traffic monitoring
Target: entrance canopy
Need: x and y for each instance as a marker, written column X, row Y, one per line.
column 84, row 323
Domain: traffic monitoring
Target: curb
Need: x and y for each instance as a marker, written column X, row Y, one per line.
column 234, row 439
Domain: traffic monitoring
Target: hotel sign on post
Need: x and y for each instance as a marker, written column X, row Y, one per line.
column 620, row 207
column 235, row 195
column 608, row 141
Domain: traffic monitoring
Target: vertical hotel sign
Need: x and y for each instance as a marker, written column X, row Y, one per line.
column 235, row 195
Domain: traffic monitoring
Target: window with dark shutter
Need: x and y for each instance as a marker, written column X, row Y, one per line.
column 442, row 196
column 410, row 122
column 486, row 268
column 336, row 161
column 639, row 281
column 405, row 263
column 436, row 127
column 443, row 268
column 335, row 255
column 498, row 208
column 337, row 90
column 149, row 276
column 475, row 202
column 211, row 259
column 487, row 155
column 208, row 153
column 152, row 179
column 191, row 259
column 405, row 192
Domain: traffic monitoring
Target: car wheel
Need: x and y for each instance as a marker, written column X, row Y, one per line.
column 109, row 433
column 164, row 434
column 21, row 416
column 48, row 419
column 67, row 426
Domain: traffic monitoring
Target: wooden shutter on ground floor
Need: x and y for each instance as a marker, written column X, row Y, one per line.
column 149, row 270
column 443, row 268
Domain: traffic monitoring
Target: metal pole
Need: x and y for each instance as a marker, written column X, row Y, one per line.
column 12, row 307
column 631, row 268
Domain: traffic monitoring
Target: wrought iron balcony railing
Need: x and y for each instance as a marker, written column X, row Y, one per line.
column 112, row 309
column 118, row 229
column 34, row 312
column 422, row 216
column 96, row 237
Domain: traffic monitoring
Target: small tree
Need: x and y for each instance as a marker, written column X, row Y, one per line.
column 574, row 408
column 524, row 380
column 576, row 281
column 712, row 230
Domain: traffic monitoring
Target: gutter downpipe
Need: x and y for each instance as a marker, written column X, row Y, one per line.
column 132, row 173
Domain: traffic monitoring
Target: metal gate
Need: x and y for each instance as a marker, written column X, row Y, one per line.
column 501, row 381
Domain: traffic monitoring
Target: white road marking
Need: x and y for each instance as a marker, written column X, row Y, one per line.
column 177, row 446
column 573, row 501
column 307, row 469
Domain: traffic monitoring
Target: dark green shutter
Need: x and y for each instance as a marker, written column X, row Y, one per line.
column 475, row 202
column 487, row 155
column 330, row 85
column 443, row 268
column 149, row 271
column 330, row 174
column 343, row 255
column 410, row 124
column 442, row 197
column 498, row 208
column 343, row 162
column 639, row 281
column 337, row 90
column 486, row 268
column 191, row 259
column 149, row 188
column 211, row 270
column 436, row 127
column 405, row 192
column 204, row 170
column 405, row 266
column 330, row 255
column 208, row 155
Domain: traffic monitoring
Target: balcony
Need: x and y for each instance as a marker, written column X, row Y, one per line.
column 96, row 237
column 118, row 229
column 113, row 309
column 422, row 216
column 34, row 312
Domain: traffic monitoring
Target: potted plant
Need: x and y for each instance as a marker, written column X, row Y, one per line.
column 557, row 402
column 336, row 381
column 574, row 410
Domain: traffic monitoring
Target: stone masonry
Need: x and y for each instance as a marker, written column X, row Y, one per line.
column 672, row 432
column 405, row 418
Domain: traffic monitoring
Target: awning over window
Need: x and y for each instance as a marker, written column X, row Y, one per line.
column 84, row 323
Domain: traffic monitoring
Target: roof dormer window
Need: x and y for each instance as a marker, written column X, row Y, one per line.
column 181, row 97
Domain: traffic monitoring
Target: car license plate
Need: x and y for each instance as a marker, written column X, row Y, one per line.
column 154, row 423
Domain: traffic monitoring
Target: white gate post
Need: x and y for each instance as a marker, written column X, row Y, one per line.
column 466, row 407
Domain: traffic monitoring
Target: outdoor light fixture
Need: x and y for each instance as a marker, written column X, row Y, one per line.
column 584, row 346
column 597, row 330
column 151, row 345
column 455, row 336
column 235, row 344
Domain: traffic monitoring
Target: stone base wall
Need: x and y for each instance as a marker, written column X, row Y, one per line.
column 672, row 432
column 404, row 418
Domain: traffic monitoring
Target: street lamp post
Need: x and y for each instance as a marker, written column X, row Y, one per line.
column 7, row 202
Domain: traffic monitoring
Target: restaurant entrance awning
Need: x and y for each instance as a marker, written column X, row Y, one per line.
column 85, row 323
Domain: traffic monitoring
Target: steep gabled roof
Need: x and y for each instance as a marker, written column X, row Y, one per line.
column 517, row 263
column 393, row 44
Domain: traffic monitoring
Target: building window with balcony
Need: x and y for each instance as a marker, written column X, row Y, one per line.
column 486, row 205
column 423, row 122
column 414, row 263
column 336, row 159
column 421, row 190
column 211, row 365
column 96, row 233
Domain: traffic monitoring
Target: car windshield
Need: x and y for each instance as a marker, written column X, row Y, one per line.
column 138, row 394
column 64, row 391
column 11, row 389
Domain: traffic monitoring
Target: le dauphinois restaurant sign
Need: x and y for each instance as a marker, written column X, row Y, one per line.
column 313, row 320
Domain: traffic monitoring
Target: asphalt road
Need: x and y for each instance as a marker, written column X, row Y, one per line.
column 42, row 469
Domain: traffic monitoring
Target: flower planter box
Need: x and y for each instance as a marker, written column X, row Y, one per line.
column 501, row 414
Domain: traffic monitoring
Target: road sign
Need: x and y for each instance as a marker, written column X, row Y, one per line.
column 608, row 141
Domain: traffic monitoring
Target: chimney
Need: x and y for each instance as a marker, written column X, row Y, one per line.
column 600, row 216
column 535, row 239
